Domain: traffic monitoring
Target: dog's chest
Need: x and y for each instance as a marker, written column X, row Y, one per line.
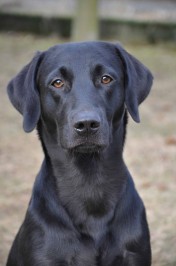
column 90, row 207
column 93, row 229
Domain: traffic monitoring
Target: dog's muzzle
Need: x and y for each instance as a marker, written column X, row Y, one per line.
column 87, row 128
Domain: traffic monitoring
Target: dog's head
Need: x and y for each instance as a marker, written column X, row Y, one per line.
column 79, row 92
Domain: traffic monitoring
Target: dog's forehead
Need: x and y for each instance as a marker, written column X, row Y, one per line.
column 86, row 53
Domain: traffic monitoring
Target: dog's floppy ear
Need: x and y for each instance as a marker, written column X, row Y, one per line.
column 138, row 82
column 23, row 93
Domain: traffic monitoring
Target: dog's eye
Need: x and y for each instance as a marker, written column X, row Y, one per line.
column 57, row 83
column 106, row 79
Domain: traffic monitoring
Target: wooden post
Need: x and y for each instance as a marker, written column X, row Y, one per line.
column 85, row 24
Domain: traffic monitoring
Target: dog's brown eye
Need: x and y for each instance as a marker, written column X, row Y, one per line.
column 57, row 83
column 106, row 79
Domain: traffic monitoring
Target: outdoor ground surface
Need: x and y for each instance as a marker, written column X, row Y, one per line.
column 150, row 150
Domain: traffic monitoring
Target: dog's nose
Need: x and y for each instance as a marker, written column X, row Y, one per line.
column 88, row 124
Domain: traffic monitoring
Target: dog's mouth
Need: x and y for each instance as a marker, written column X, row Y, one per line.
column 88, row 148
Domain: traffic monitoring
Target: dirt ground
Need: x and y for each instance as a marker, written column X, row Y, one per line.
column 150, row 150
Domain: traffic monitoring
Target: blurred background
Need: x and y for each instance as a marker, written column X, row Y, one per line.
column 147, row 29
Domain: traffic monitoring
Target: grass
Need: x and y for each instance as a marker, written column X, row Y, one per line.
column 150, row 150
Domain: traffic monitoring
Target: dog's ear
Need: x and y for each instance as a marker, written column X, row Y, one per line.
column 23, row 93
column 138, row 82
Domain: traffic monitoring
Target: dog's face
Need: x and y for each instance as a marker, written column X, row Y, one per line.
column 82, row 94
column 79, row 92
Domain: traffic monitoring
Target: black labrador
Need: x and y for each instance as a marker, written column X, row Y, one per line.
column 84, row 209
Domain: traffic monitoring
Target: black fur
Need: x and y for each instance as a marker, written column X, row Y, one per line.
column 84, row 209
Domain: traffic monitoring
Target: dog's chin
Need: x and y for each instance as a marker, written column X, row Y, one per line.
column 88, row 148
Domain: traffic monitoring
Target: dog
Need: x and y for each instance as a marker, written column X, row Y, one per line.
column 84, row 209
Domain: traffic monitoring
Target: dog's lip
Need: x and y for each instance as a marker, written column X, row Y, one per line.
column 88, row 148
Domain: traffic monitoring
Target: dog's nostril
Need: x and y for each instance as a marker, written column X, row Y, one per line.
column 94, row 125
column 80, row 126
